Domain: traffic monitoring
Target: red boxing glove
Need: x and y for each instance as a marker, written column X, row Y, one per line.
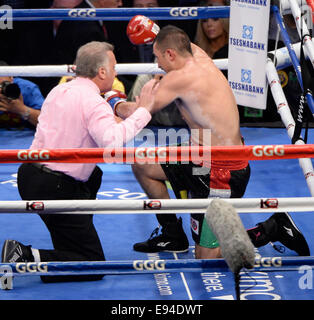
column 114, row 97
column 142, row 30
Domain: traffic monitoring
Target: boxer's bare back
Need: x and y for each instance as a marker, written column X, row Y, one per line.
column 201, row 92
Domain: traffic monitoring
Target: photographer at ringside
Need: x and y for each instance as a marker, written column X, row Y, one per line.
column 20, row 102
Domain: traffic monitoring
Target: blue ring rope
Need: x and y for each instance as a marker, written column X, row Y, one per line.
column 264, row 264
column 119, row 14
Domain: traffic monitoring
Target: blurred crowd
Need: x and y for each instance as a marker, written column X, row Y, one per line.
column 56, row 42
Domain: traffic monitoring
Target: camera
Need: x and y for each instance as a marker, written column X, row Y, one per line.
column 10, row 90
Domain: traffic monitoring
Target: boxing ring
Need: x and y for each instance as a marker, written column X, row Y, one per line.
column 131, row 275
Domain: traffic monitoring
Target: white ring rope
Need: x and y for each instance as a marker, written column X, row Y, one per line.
column 302, row 28
column 287, row 119
column 281, row 55
column 160, row 206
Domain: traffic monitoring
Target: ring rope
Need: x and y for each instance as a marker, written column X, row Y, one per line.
column 69, row 70
column 160, row 206
column 302, row 29
column 286, row 5
column 265, row 264
column 121, row 14
column 287, row 119
column 277, row 91
column 281, row 56
column 310, row 3
column 293, row 56
column 175, row 154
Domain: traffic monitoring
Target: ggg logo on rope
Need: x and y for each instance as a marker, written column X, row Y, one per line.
column 268, row 262
column 150, row 153
column 31, row 267
column 260, row 151
column 149, row 265
column 183, row 12
column 33, row 155
column 82, row 13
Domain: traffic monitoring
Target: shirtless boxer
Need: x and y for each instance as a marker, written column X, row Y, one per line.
column 206, row 102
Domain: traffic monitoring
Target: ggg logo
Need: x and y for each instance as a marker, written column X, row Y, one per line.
column 33, row 155
column 183, row 12
column 82, row 13
column 268, row 151
column 246, row 75
column 247, row 32
column 149, row 265
column 268, row 262
column 151, row 153
column 31, row 267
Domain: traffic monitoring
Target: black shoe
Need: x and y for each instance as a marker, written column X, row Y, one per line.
column 288, row 233
column 171, row 239
column 14, row 251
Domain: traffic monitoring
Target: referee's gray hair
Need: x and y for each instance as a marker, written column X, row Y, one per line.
column 90, row 57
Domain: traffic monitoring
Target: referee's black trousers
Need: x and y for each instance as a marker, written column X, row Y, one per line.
column 74, row 236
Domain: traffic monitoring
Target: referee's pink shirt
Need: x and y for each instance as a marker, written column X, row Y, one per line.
column 74, row 115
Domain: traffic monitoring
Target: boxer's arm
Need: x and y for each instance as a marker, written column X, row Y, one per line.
column 119, row 105
column 156, row 95
column 125, row 109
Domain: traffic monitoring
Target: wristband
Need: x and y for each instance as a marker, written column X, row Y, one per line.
column 115, row 101
column 114, row 98
column 25, row 116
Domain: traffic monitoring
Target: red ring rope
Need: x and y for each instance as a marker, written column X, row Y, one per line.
column 158, row 154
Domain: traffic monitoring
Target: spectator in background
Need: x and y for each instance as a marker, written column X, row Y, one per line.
column 23, row 110
column 62, row 4
column 72, row 34
column 212, row 35
column 35, row 44
column 55, row 43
